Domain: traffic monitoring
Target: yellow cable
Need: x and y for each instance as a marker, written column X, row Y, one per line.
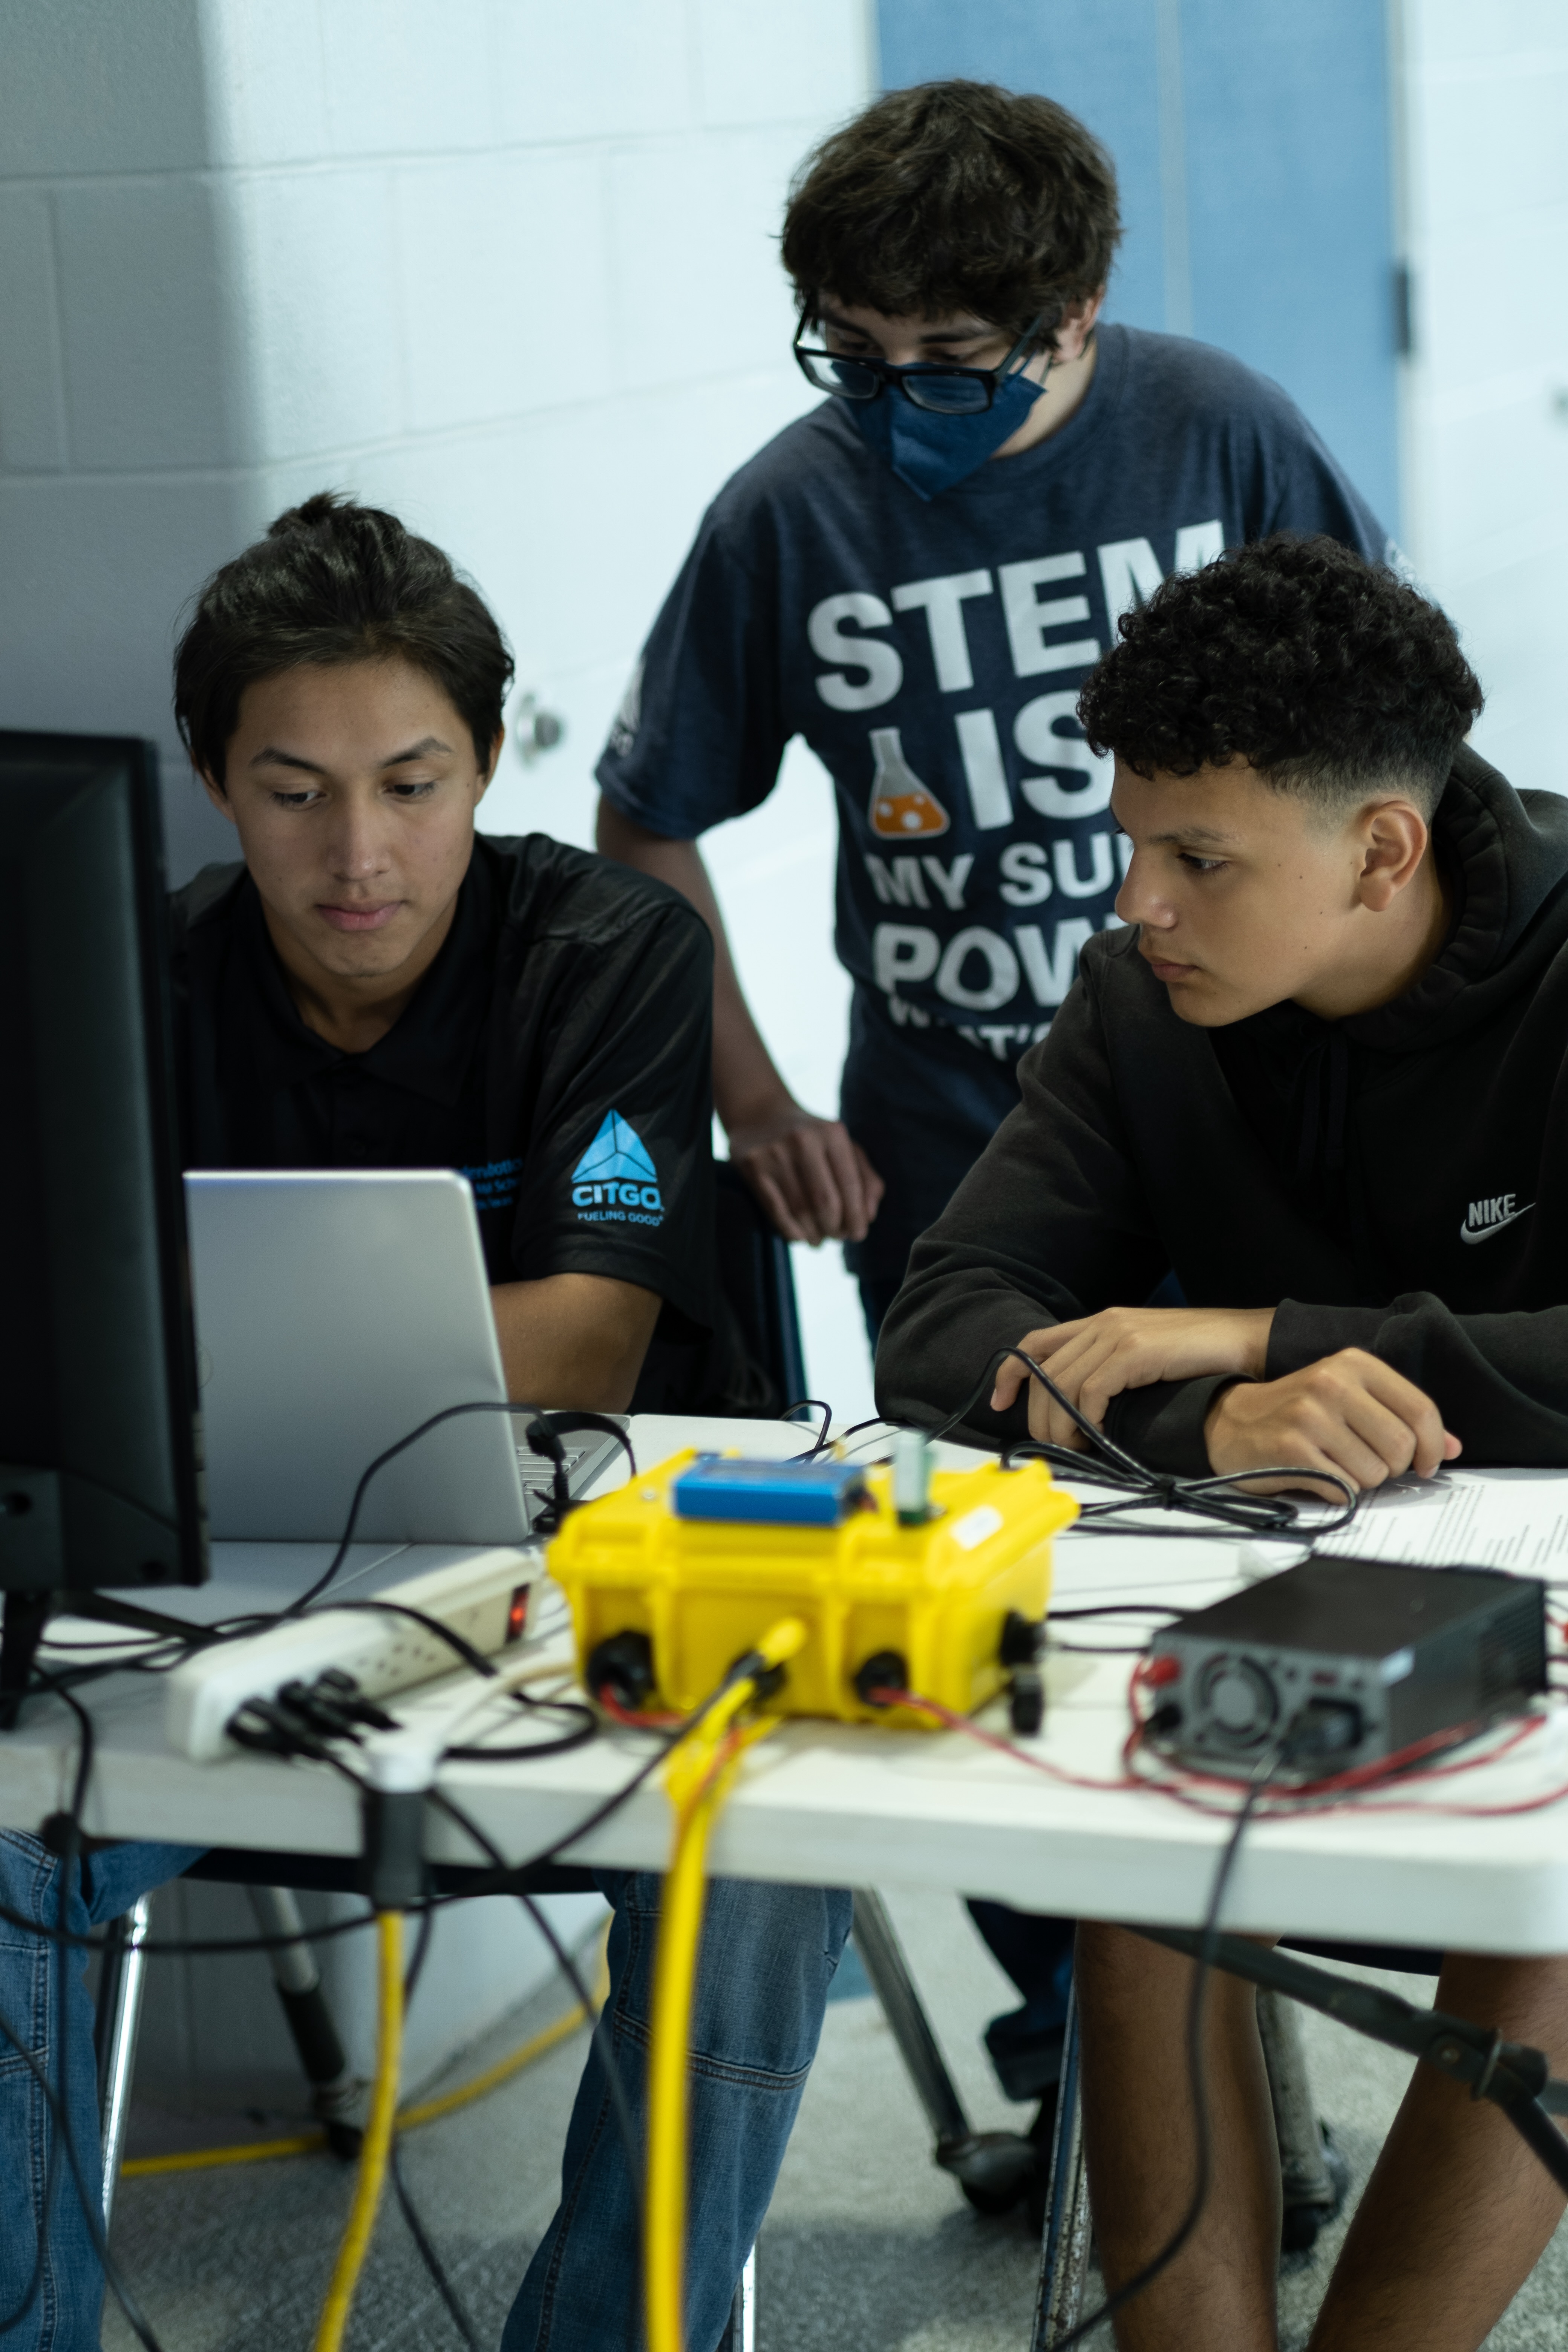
column 260, row 2152
column 245, row 2151
column 697, row 1780
column 427, row 2112
column 377, row 2144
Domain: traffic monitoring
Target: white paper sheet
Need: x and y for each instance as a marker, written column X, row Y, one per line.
column 1515, row 1520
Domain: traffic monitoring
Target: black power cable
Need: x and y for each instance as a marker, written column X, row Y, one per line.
column 425, row 2250
column 542, row 1437
column 625, row 2121
column 1216, row 1496
column 1197, row 2003
column 423, row 2242
column 59, row 2111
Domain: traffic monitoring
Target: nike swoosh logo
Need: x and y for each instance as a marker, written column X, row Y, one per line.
column 1484, row 1233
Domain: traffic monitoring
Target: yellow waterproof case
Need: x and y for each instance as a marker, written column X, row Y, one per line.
column 935, row 1598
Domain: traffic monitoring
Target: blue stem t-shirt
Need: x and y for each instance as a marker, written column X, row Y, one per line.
column 931, row 653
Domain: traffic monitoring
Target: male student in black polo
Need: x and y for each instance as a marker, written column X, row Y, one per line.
column 376, row 985
column 379, row 986
column 1322, row 1073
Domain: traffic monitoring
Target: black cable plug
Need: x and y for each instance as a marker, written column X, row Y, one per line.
column 884, row 1670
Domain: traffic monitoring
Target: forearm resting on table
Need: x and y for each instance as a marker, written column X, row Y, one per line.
column 573, row 1339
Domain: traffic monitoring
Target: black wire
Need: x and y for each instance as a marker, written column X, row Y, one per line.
column 1122, row 1609
column 1196, row 2005
column 1212, row 1497
column 531, row 1750
column 427, row 2251
column 815, row 1405
column 537, row 1425
column 424, row 2244
column 502, row 1884
column 58, row 2110
column 625, row 2121
column 1095, row 1650
column 94, row 2219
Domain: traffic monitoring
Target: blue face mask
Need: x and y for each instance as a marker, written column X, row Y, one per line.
column 930, row 452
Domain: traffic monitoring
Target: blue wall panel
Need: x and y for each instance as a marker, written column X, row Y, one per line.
column 1098, row 58
column 1251, row 144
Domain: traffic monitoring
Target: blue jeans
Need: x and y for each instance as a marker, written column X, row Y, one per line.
column 61, row 2312
column 768, row 1957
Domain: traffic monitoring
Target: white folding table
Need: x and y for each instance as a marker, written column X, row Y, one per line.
column 826, row 1803
column 823, row 1803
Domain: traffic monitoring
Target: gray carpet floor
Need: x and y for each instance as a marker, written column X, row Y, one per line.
column 867, row 2246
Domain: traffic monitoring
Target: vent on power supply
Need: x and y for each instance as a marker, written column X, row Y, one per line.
column 1508, row 1655
column 1237, row 1698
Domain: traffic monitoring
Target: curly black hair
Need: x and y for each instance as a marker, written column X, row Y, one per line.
column 1329, row 675
column 335, row 581
column 955, row 196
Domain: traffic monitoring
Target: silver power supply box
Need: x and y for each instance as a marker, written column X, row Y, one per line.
column 1344, row 1663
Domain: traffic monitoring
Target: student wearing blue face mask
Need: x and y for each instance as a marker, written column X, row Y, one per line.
column 917, row 576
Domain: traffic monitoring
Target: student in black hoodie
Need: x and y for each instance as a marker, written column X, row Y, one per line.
column 1319, row 1075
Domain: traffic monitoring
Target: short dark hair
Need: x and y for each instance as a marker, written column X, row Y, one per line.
column 332, row 583
column 955, row 196
column 1330, row 675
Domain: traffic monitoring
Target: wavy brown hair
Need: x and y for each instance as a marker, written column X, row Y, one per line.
column 955, row 196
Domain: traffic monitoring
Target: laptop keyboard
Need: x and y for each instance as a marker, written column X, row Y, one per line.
column 538, row 1472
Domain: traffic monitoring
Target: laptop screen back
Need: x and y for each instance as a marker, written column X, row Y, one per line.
column 335, row 1311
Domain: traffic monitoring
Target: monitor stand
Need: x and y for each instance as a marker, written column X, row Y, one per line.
column 27, row 1613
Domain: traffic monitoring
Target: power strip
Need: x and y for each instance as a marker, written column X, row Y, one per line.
column 485, row 1600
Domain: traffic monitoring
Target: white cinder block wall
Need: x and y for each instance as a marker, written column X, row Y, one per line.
column 1485, row 107
column 505, row 266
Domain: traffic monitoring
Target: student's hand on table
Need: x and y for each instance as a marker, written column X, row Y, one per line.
column 1095, row 1357
column 1349, row 1413
column 812, row 1178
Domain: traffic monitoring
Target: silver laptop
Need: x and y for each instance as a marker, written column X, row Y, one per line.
column 335, row 1311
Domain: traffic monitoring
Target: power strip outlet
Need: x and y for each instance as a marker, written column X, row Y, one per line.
column 485, row 1598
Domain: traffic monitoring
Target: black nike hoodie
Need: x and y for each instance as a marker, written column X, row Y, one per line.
column 1397, row 1182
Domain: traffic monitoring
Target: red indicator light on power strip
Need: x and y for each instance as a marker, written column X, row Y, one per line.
column 517, row 1615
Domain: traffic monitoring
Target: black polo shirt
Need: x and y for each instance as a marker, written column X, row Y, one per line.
column 557, row 1054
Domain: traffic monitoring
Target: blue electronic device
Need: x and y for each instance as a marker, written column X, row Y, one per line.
column 768, row 1494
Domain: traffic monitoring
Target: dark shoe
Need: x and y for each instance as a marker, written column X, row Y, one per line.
column 1027, row 2056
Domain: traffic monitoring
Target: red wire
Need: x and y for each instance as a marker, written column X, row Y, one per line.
column 946, row 1714
column 1306, row 1798
column 619, row 1714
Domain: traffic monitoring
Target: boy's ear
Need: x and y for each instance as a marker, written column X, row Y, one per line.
column 1077, row 326
column 1395, row 836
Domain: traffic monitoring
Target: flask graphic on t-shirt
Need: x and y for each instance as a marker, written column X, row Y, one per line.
column 902, row 807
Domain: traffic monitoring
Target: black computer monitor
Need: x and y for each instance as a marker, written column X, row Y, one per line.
column 98, row 1383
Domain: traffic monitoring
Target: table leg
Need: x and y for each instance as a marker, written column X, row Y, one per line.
column 1065, row 2236
column 123, row 1992
column 742, row 2333
column 335, row 2090
column 992, row 2168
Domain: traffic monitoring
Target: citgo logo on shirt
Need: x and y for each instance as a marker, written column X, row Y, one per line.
column 615, row 1182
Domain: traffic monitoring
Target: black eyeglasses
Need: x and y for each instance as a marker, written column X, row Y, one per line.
column 929, row 384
